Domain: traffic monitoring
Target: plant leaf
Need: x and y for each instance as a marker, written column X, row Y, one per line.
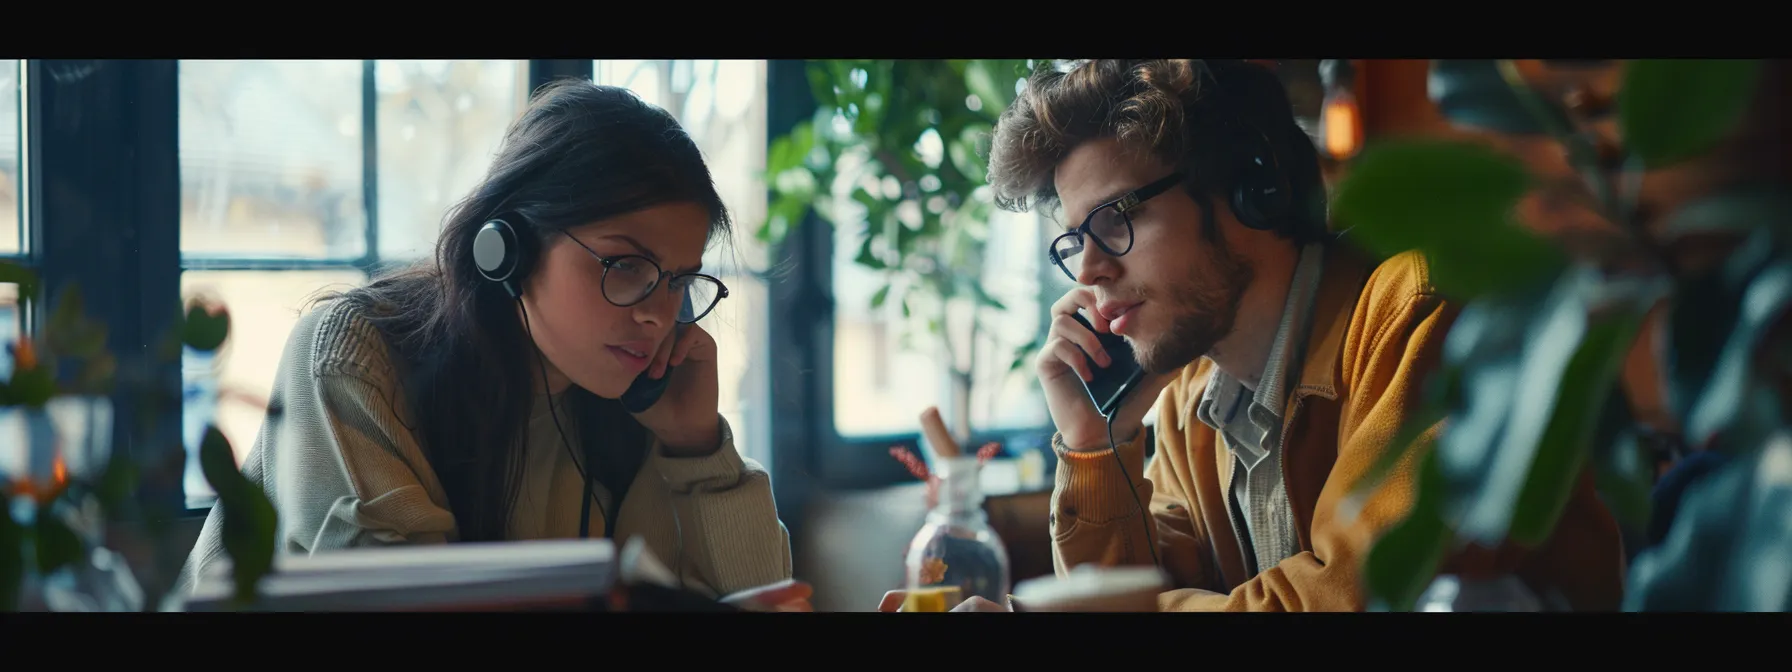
column 24, row 277
column 1729, row 549
column 66, row 315
column 1739, row 209
column 57, row 545
column 117, row 484
column 32, row 387
column 12, row 560
column 1025, row 354
column 248, row 517
column 1625, row 470
column 1509, row 400
column 203, row 329
column 1586, row 383
column 1764, row 303
column 1703, row 316
column 1670, row 110
column 1453, row 201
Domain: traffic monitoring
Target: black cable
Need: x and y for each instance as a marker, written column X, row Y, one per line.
column 1144, row 515
column 584, row 516
column 541, row 361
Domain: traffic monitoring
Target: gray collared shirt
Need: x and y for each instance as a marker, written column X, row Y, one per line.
column 1250, row 423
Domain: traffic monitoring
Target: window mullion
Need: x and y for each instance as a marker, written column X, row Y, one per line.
column 370, row 165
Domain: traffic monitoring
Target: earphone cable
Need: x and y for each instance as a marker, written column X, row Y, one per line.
column 1144, row 515
column 541, row 362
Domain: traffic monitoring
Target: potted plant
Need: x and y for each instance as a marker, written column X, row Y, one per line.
column 62, row 546
column 1532, row 363
column 905, row 139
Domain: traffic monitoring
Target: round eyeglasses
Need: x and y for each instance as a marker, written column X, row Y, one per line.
column 631, row 278
column 1109, row 225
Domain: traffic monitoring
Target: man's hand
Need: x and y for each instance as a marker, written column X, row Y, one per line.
column 789, row 595
column 1063, row 368
column 893, row 600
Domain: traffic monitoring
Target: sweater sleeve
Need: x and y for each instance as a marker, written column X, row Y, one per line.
column 724, row 502
column 1096, row 519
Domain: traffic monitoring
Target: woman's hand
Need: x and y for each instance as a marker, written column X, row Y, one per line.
column 686, row 419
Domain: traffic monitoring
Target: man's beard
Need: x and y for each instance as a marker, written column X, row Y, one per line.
column 1204, row 309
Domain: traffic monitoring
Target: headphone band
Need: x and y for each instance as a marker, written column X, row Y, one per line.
column 1263, row 192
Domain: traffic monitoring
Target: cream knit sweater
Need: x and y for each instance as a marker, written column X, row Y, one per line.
column 337, row 460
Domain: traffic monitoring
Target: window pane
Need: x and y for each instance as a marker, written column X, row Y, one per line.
column 9, row 156
column 1002, row 398
column 440, row 123
column 264, row 306
column 270, row 156
column 887, row 368
column 722, row 105
column 885, row 374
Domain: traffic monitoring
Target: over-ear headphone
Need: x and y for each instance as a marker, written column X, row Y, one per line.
column 503, row 255
column 1261, row 198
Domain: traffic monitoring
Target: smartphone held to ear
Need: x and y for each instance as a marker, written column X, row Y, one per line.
column 1115, row 382
column 646, row 390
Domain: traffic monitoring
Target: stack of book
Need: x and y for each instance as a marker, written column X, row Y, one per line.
column 524, row 575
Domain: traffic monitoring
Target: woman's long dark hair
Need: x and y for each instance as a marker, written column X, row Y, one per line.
column 579, row 153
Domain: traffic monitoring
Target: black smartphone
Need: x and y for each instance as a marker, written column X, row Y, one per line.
column 646, row 390
column 1116, row 381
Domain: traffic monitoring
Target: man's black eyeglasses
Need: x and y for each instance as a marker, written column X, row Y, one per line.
column 1109, row 225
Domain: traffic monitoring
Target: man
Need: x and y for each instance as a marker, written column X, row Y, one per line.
column 1287, row 361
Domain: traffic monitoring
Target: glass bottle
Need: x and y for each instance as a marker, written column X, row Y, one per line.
column 956, row 555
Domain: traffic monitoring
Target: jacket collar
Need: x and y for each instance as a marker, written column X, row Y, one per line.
column 1341, row 285
column 1346, row 271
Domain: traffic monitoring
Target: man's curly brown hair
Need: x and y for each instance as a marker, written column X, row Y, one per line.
column 1166, row 108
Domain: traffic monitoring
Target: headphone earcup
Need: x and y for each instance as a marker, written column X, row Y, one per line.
column 1262, row 198
column 500, row 255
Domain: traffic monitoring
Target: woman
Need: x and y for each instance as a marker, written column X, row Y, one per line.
column 469, row 398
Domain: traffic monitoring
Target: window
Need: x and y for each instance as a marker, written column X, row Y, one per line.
column 884, row 378
column 722, row 104
column 886, row 372
column 12, row 236
column 283, row 195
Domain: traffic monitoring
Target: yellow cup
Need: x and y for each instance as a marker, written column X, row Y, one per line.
column 933, row 598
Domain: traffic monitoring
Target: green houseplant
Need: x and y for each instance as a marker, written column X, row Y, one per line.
column 907, row 136
column 62, row 515
column 1530, row 377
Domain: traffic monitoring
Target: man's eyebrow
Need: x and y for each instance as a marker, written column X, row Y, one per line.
column 1071, row 224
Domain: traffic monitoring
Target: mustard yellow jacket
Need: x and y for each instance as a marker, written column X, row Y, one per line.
column 1378, row 331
